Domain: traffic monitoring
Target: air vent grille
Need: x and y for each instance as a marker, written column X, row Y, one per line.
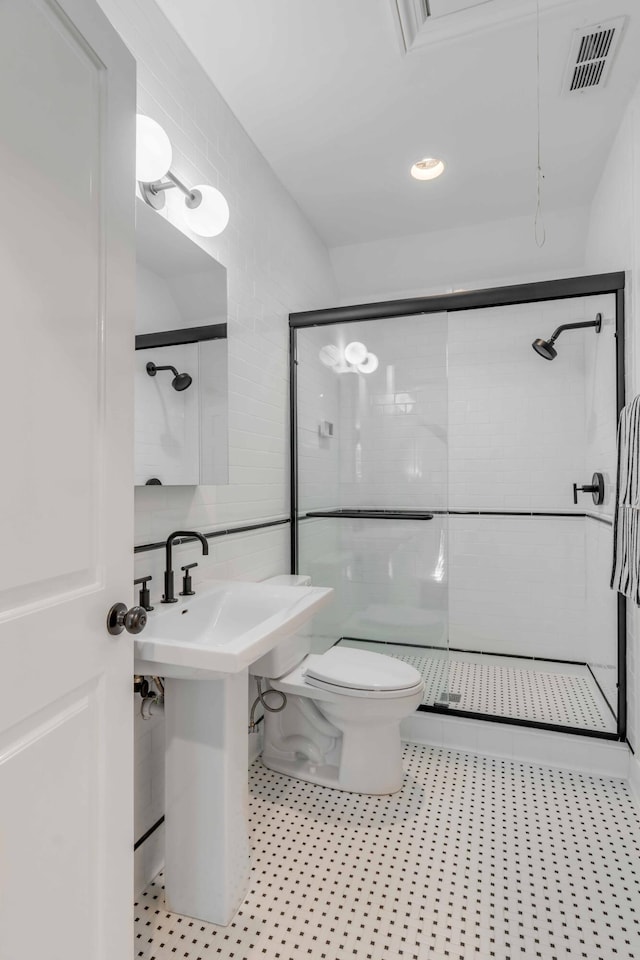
column 592, row 53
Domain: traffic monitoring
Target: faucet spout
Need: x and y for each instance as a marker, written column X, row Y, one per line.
column 169, row 594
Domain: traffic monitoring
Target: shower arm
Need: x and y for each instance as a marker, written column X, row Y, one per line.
column 597, row 323
column 167, row 366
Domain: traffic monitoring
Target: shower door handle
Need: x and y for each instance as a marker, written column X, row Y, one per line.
column 595, row 488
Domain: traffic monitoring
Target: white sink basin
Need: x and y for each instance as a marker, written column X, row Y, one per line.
column 223, row 629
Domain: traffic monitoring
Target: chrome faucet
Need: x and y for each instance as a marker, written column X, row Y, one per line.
column 168, row 596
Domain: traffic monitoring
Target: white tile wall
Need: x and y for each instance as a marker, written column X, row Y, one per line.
column 462, row 413
column 613, row 243
column 516, row 421
column 148, row 792
column 318, row 400
column 600, row 402
column 601, row 637
column 599, row 758
column 517, row 585
column 389, row 578
column 275, row 264
column 167, row 421
column 481, row 255
column 393, row 426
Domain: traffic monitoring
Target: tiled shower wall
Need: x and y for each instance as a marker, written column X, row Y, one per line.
column 394, row 421
column 613, row 243
column 601, row 418
column 276, row 264
column 463, row 415
column 318, row 412
column 516, row 421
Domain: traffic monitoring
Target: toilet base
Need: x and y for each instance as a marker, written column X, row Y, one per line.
column 325, row 775
column 335, row 747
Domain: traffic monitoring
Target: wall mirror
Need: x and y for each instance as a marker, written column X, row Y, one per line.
column 181, row 358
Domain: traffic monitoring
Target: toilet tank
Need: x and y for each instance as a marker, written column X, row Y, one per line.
column 291, row 650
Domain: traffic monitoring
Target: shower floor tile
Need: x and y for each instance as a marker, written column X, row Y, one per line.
column 564, row 694
column 474, row 858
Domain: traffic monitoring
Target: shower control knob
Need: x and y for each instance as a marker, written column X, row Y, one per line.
column 120, row 618
column 595, row 488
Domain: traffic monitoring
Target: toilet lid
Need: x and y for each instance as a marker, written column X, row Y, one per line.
column 361, row 669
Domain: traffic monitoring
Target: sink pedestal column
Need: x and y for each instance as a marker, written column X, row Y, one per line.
column 206, row 797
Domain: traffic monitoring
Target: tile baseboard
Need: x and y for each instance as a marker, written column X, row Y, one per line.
column 634, row 777
column 601, row 758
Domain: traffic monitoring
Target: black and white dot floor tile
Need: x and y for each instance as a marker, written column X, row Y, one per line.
column 474, row 858
column 569, row 700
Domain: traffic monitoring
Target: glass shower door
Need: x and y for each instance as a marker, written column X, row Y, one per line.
column 372, row 441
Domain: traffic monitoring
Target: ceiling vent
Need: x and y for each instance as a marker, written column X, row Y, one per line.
column 592, row 53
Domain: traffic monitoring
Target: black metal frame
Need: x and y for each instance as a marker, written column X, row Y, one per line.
column 362, row 513
column 227, row 532
column 171, row 338
column 536, row 292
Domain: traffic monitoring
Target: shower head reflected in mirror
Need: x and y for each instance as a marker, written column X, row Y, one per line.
column 546, row 348
column 180, row 381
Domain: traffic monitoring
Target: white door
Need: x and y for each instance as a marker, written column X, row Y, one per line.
column 67, row 122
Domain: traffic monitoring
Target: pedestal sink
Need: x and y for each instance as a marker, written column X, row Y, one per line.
column 203, row 646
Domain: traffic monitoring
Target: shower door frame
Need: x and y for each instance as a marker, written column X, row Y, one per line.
column 536, row 292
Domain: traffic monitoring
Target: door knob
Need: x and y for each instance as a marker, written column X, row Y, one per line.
column 119, row 619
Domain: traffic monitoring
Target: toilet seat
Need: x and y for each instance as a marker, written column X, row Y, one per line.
column 358, row 673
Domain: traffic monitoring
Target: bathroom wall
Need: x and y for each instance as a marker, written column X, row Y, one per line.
column 522, row 431
column 167, row 427
column 516, row 421
column 276, row 263
column 601, row 421
column 318, row 405
column 391, row 430
column 613, row 243
column 462, row 416
column 483, row 255
column 394, row 421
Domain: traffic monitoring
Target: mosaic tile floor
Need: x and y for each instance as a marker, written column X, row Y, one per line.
column 564, row 699
column 562, row 694
column 474, row 858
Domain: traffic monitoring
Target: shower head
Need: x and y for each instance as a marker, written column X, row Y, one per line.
column 546, row 349
column 180, row 381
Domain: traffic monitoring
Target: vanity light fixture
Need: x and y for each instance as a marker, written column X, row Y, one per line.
column 153, row 150
column 206, row 211
column 330, row 355
column 354, row 359
column 355, row 352
column 427, row 169
column 369, row 364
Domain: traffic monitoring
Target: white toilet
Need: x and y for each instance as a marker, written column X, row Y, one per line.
column 341, row 724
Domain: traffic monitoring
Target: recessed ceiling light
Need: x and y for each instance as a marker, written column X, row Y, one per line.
column 427, row 169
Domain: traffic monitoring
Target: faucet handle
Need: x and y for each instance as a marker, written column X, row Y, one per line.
column 145, row 598
column 187, row 584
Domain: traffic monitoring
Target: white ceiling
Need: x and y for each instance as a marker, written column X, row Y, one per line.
column 340, row 111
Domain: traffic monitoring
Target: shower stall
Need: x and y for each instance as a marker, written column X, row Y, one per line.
column 443, row 483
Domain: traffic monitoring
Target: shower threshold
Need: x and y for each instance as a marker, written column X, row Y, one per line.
column 506, row 688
